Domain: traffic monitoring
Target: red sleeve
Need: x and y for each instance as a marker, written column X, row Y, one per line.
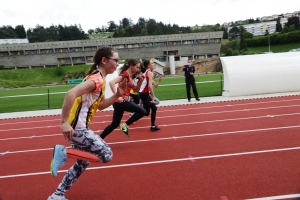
column 125, row 75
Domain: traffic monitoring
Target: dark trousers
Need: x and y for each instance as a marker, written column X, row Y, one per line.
column 119, row 109
column 136, row 98
column 145, row 97
column 188, row 83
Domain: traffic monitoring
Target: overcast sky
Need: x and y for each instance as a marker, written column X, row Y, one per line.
column 96, row 13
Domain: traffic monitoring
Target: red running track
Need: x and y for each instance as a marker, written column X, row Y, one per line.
column 228, row 150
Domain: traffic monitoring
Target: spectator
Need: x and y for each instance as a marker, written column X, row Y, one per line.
column 189, row 71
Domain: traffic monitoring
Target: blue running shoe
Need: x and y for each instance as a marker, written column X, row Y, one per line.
column 55, row 197
column 58, row 160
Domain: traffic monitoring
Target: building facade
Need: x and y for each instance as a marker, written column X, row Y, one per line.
column 261, row 28
column 48, row 54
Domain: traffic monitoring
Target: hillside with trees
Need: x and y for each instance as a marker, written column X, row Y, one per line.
column 42, row 34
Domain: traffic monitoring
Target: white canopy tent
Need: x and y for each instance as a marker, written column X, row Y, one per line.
column 261, row 74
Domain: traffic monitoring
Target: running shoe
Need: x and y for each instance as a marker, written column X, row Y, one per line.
column 154, row 128
column 57, row 198
column 197, row 99
column 58, row 160
column 124, row 129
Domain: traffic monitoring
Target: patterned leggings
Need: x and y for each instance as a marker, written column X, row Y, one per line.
column 84, row 140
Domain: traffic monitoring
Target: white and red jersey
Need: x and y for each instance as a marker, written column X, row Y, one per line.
column 144, row 87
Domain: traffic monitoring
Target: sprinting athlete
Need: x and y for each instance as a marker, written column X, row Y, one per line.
column 146, row 90
column 79, row 107
column 124, row 103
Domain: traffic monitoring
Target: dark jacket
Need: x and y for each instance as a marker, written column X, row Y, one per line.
column 187, row 71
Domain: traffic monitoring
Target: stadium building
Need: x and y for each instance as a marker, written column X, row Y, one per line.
column 160, row 47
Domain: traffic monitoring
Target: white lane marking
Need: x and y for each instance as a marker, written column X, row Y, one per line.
column 175, row 110
column 288, row 196
column 163, row 161
column 172, row 116
column 143, row 127
column 6, row 152
column 177, row 137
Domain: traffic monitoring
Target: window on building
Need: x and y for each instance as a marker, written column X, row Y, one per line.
column 75, row 49
column 78, row 59
column 187, row 42
column 119, row 46
column 201, row 41
column 46, row 51
column 64, row 60
column 174, row 43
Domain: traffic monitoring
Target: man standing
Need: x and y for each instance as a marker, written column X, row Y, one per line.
column 189, row 71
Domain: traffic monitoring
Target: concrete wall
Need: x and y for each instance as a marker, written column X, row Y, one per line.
column 261, row 74
column 31, row 54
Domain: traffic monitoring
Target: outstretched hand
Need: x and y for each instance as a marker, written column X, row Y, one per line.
column 122, row 87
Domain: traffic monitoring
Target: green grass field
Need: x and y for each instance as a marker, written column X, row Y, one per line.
column 54, row 101
column 275, row 48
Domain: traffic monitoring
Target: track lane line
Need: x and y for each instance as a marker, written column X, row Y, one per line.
column 162, row 161
column 172, row 137
column 173, row 110
column 288, row 196
column 173, row 116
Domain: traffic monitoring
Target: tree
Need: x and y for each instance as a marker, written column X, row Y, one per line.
column 8, row 32
column 248, row 35
column 234, row 33
column 53, row 33
column 91, row 31
column 243, row 44
column 125, row 22
column 278, row 25
column 151, row 27
column 142, row 23
column 20, row 31
column 98, row 30
column 111, row 26
column 290, row 28
column 37, row 34
column 225, row 32
column 293, row 21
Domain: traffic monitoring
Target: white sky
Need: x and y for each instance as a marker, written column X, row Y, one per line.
column 96, row 13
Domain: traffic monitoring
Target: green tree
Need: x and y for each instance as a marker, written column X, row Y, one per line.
column 53, row 33
column 91, row 31
column 151, row 26
column 293, row 21
column 112, row 26
column 229, row 52
column 7, row 32
column 248, row 35
column 225, row 32
column 234, row 33
column 278, row 25
column 98, row 30
column 20, row 31
column 243, row 44
column 125, row 22
column 37, row 34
